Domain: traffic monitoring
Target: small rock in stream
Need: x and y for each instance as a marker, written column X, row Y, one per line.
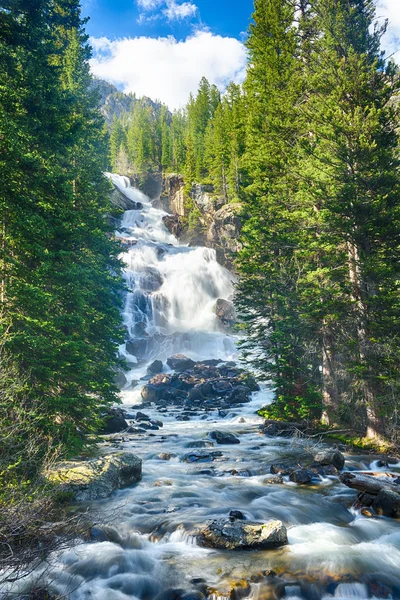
column 200, row 444
column 301, row 476
column 242, row 535
column 237, row 514
column 201, row 456
column 223, row 438
column 142, row 417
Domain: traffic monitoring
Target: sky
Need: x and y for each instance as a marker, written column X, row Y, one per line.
column 162, row 48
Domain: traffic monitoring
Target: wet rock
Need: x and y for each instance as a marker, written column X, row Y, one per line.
column 387, row 461
column 173, row 224
column 223, row 437
column 275, row 480
column 201, row 456
column 330, row 457
column 142, row 416
column 323, row 470
column 157, row 423
column 155, row 367
column 135, row 430
column 155, row 389
column 119, row 200
column 114, row 421
column 180, row 363
column 240, row 590
column 200, row 444
column 120, row 379
column 387, row 503
column 282, row 469
column 226, row 313
column 237, row 514
column 301, row 476
column 166, row 456
column 240, row 395
column 242, row 535
column 95, row 478
column 137, row 346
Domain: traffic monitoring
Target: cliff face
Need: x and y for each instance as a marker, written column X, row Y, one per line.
column 218, row 224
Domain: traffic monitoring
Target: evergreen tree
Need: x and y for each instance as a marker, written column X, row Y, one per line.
column 349, row 166
column 60, row 308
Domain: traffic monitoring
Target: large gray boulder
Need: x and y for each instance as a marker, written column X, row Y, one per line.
column 225, row 312
column 180, row 362
column 96, row 478
column 330, row 457
column 234, row 534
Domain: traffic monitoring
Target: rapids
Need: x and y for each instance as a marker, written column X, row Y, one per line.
column 144, row 550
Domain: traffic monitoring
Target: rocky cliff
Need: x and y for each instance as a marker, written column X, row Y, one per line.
column 217, row 224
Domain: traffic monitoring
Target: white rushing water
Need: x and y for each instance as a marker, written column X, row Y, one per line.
column 145, row 550
column 173, row 289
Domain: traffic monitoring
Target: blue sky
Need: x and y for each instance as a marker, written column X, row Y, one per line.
column 162, row 48
column 121, row 18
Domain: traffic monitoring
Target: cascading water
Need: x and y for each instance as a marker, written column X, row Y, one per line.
column 173, row 289
column 146, row 550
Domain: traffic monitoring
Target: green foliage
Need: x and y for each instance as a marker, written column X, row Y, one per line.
column 318, row 287
column 60, row 285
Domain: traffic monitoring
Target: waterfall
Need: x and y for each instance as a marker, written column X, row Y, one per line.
column 172, row 290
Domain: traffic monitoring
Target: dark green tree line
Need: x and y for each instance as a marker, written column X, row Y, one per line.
column 59, row 286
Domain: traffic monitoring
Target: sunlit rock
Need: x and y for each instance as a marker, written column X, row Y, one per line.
column 96, row 478
column 242, row 535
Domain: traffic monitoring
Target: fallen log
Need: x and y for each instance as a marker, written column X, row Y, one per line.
column 369, row 484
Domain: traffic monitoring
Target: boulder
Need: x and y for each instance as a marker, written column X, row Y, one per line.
column 237, row 514
column 225, row 312
column 222, row 437
column 173, row 224
column 282, row 469
column 239, row 395
column 242, row 535
column 387, row 503
column 122, row 202
column 142, row 417
column 155, row 367
column 301, row 476
column 180, row 362
column 114, row 421
column 95, row 478
column 120, row 379
column 330, row 457
column 201, row 456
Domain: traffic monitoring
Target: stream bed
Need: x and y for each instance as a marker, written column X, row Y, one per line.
column 143, row 548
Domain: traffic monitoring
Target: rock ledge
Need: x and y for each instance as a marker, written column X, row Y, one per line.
column 96, row 478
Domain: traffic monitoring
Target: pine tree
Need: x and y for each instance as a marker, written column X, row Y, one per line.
column 60, row 307
column 349, row 167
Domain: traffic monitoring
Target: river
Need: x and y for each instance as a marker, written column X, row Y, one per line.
column 145, row 549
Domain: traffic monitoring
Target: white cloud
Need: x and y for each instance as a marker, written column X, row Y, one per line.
column 179, row 11
column 149, row 4
column 172, row 10
column 389, row 9
column 167, row 69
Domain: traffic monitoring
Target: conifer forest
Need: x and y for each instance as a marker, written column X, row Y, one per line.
column 113, row 307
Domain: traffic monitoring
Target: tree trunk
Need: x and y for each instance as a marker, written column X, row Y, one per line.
column 360, row 291
column 330, row 392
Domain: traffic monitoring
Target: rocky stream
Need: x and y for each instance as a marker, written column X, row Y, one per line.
column 224, row 509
